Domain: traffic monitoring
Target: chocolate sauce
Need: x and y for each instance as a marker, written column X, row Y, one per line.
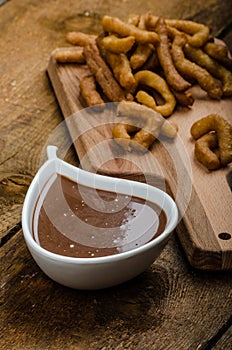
column 78, row 221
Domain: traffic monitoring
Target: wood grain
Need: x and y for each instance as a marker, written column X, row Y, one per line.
column 204, row 198
column 225, row 342
column 152, row 311
column 171, row 306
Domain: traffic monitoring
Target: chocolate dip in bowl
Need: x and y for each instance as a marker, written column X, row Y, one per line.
column 88, row 231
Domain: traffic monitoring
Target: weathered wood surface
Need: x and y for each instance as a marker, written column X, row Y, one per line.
column 170, row 306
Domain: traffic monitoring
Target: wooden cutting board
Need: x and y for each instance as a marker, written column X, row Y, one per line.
column 204, row 198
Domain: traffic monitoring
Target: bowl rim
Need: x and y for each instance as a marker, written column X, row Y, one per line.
column 39, row 250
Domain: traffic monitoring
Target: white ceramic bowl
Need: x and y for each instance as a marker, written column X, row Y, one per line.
column 99, row 272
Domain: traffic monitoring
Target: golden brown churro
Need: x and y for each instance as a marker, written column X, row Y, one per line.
column 79, row 38
column 118, row 45
column 174, row 79
column 69, row 55
column 153, row 80
column 204, row 147
column 89, row 91
column 103, row 74
column 197, row 34
column 191, row 70
column 213, row 67
column 214, row 122
column 143, row 51
column 141, row 126
column 115, row 25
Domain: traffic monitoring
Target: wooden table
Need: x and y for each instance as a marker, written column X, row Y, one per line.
column 171, row 305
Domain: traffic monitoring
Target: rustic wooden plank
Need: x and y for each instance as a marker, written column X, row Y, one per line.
column 209, row 208
column 152, row 311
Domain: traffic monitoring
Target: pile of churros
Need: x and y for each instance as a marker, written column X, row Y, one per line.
column 152, row 62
